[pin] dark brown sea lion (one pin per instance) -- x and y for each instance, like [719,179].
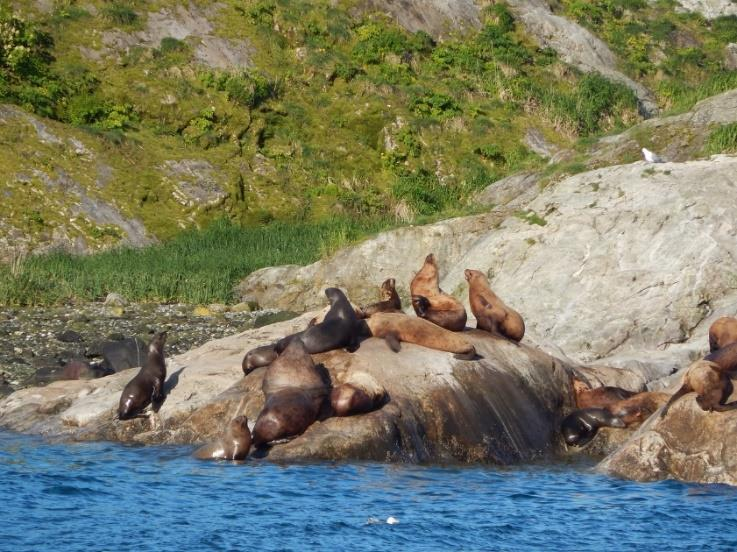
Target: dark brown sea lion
[599,397]
[260,356]
[295,390]
[638,407]
[580,426]
[234,443]
[359,393]
[711,384]
[390,301]
[398,327]
[432,303]
[339,329]
[722,332]
[147,387]
[491,313]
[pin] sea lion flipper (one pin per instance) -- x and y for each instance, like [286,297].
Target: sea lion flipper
[677,395]
[393,341]
[471,355]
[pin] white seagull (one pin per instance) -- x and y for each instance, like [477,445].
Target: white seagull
[652,157]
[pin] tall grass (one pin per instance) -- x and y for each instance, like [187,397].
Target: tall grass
[198,266]
[723,139]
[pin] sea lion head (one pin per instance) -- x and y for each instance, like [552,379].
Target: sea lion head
[579,386]
[334,295]
[157,342]
[430,259]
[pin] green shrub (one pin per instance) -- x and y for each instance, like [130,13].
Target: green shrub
[596,98]
[423,192]
[375,40]
[119,14]
[433,104]
[725,28]
[170,44]
[249,89]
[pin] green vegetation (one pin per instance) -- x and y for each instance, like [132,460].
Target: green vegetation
[679,55]
[336,116]
[723,139]
[195,267]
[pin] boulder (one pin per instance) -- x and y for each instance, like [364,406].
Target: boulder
[688,444]
[502,409]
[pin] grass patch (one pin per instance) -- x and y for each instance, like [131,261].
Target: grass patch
[722,140]
[198,266]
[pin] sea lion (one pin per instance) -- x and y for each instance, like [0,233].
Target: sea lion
[724,358]
[491,313]
[234,443]
[257,357]
[358,394]
[397,327]
[295,390]
[390,301]
[711,384]
[722,333]
[638,407]
[599,397]
[432,303]
[147,387]
[580,426]
[339,329]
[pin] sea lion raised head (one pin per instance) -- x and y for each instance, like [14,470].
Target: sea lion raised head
[722,332]
[711,384]
[492,314]
[148,384]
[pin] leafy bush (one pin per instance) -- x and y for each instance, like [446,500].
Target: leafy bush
[170,44]
[375,40]
[423,192]
[433,104]
[249,89]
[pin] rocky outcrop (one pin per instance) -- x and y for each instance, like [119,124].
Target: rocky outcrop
[438,18]
[623,266]
[503,408]
[710,9]
[577,46]
[688,444]
[675,138]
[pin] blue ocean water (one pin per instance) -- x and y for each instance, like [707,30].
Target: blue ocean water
[105,496]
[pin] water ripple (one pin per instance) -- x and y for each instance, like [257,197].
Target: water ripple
[103,496]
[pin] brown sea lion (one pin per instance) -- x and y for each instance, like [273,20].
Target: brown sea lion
[295,390]
[580,426]
[725,358]
[390,301]
[432,303]
[257,357]
[397,327]
[358,394]
[234,443]
[147,387]
[599,397]
[339,329]
[722,332]
[491,313]
[638,407]
[711,384]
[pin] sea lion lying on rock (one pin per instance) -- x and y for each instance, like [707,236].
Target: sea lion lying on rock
[234,443]
[339,329]
[398,327]
[260,356]
[599,397]
[432,303]
[359,393]
[390,301]
[491,313]
[294,389]
[147,387]
[639,407]
[711,384]
[722,332]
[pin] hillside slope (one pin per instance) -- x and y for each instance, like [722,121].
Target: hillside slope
[134,120]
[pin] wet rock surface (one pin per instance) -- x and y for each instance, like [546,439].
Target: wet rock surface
[41,344]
